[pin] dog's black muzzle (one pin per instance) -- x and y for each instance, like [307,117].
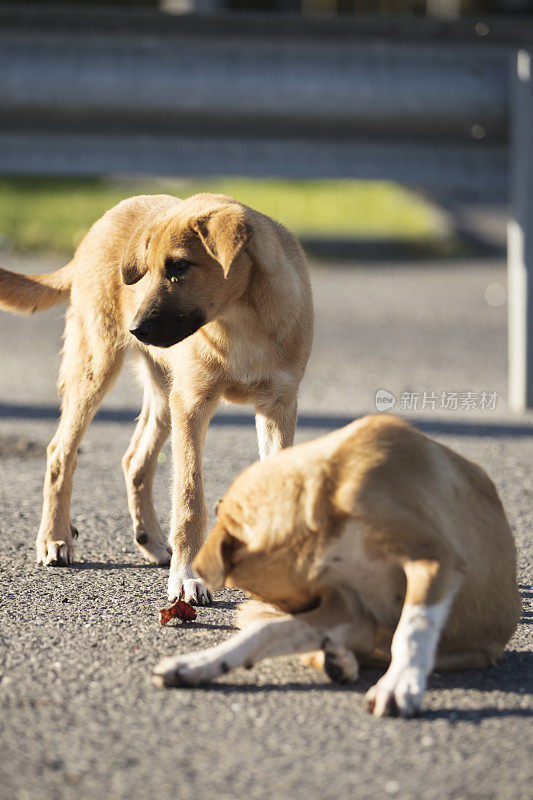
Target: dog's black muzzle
[165,331]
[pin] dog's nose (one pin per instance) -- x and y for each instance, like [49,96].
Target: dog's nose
[142,329]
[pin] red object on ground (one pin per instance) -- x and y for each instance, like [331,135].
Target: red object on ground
[180,609]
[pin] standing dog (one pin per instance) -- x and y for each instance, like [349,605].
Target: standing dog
[373,543]
[215,301]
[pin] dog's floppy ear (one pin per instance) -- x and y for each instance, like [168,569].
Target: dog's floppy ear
[224,233]
[215,559]
[134,264]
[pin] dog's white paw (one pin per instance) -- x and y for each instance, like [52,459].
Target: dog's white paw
[183,585]
[53,553]
[397,693]
[189,670]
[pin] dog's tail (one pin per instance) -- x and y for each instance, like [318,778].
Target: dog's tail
[29,293]
[252,610]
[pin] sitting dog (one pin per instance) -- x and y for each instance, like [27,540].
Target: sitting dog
[214,300]
[373,544]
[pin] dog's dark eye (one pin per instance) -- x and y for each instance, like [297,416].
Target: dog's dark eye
[175,268]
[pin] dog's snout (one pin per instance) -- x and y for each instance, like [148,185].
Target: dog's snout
[163,326]
[142,329]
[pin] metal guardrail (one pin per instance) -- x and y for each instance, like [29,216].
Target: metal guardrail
[424,103]
[205,96]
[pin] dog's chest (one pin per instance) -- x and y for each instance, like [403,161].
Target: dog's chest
[379,583]
[248,362]
[253,370]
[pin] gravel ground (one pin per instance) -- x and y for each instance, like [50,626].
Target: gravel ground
[79,717]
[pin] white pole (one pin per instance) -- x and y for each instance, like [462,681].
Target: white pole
[520,236]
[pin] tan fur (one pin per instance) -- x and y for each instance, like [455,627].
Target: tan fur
[247,281]
[252,610]
[26,294]
[361,523]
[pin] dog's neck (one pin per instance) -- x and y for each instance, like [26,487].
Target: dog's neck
[275,294]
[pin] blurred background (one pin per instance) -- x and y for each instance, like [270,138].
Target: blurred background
[443,8]
[370,127]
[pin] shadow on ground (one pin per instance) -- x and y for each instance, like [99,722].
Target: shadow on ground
[318,421]
[511,675]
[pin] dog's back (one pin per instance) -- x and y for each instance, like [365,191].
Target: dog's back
[401,486]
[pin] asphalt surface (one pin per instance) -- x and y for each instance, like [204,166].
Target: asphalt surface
[79,717]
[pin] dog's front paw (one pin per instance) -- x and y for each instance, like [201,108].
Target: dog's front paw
[183,585]
[181,671]
[397,693]
[54,553]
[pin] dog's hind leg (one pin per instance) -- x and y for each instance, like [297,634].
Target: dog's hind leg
[140,464]
[275,423]
[329,626]
[431,588]
[85,376]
